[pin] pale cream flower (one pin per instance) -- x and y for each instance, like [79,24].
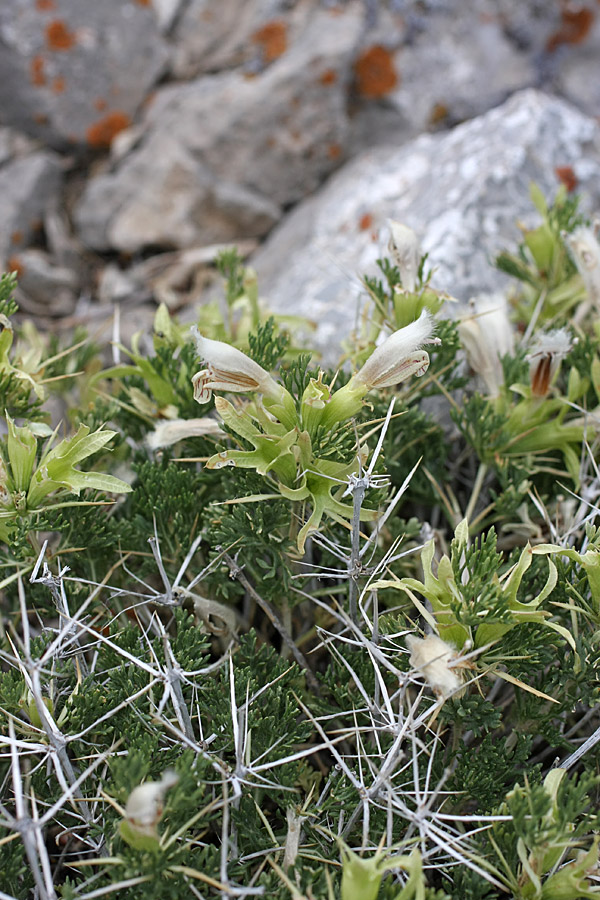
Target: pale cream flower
[399,357]
[405,251]
[431,656]
[544,357]
[228,369]
[145,803]
[585,250]
[169,432]
[487,336]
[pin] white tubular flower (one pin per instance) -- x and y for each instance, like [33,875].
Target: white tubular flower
[170,431]
[399,357]
[432,656]
[585,250]
[145,803]
[406,252]
[228,369]
[544,358]
[487,336]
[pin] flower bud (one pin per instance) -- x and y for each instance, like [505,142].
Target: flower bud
[145,803]
[585,250]
[314,400]
[487,336]
[406,253]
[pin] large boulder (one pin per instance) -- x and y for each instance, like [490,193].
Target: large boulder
[75,72]
[220,157]
[461,191]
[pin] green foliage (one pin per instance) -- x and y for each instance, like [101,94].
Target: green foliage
[296,376]
[231,266]
[265,346]
[271,658]
[8,304]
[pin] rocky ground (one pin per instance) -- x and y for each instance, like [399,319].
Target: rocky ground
[139,135]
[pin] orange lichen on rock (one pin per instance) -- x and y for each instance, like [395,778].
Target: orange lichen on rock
[567,176]
[375,73]
[144,2]
[101,133]
[272,40]
[365,221]
[16,237]
[15,265]
[334,151]
[574,28]
[37,74]
[45,5]
[439,112]
[59,84]
[329,76]
[100,104]
[58,36]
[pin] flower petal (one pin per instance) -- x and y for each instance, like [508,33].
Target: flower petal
[400,356]
[228,369]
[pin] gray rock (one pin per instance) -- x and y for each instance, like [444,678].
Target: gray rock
[578,71]
[462,192]
[29,186]
[45,285]
[13,143]
[211,36]
[166,12]
[441,65]
[222,155]
[76,72]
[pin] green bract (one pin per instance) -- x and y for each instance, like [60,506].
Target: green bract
[453,603]
[29,480]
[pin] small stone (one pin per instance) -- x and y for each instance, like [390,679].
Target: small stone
[45,285]
[29,185]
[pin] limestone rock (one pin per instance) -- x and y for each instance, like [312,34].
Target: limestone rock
[29,186]
[577,69]
[45,286]
[76,72]
[461,192]
[212,36]
[166,12]
[14,143]
[221,155]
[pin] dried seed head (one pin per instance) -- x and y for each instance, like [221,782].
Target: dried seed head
[544,357]
[145,803]
[432,657]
